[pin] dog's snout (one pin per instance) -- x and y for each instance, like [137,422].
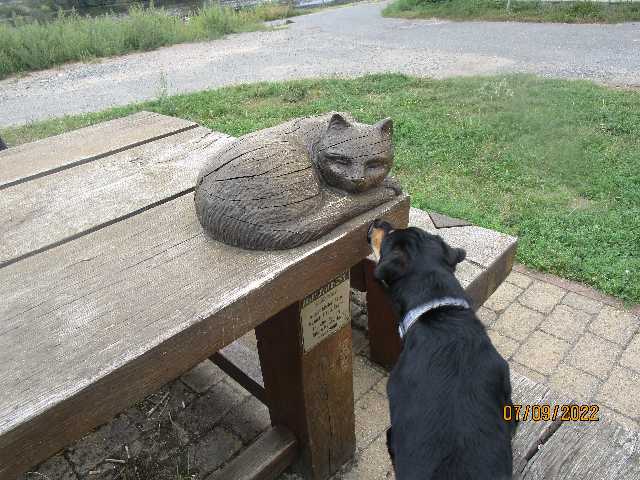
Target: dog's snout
[376,233]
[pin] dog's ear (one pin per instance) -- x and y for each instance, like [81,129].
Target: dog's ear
[453,256]
[391,267]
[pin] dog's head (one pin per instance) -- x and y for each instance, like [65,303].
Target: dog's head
[399,253]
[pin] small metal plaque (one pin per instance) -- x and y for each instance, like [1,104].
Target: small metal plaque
[324,311]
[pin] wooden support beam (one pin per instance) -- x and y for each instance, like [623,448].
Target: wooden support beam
[264,459]
[243,365]
[384,339]
[357,277]
[311,393]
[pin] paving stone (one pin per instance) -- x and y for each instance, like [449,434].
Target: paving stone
[527,372]
[579,385]
[203,376]
[157,407]
[566,322]
[504,345]
[519,279]
[204,412]
[359,298]
[372,463]
[518,321]
[360,342]
[583,303]
[542,352]
[105,471]
[381,386]
[57,467]
[542,296]
[486,316]
[179,466]
[372,418]
[631,355]
[615,325]
[213,449]
[365,376]
[108,441]
[605,412]
[161,440]
[248,419]
[504,295]
[594,355]
[249,340]
[361,322]
[621,391]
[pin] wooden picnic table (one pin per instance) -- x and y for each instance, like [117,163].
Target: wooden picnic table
[111,289]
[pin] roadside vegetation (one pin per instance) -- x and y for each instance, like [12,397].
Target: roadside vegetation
[38,45]
[517,11]
[555,162]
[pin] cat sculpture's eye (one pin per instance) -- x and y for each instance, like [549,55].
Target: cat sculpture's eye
[339,159]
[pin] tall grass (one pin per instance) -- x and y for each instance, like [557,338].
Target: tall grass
[520,10]
[36,46]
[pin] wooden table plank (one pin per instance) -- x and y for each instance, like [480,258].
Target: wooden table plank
[88,322]
[45,212]
[52,154]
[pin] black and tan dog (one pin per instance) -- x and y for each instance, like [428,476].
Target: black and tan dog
[449,388]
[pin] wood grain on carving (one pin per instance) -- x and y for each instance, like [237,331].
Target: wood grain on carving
[287,185]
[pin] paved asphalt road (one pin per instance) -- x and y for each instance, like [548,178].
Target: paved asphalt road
[345,41]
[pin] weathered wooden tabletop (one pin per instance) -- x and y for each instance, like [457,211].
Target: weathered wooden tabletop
[110,287]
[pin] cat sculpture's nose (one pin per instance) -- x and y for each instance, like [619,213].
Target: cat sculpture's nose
[360,183]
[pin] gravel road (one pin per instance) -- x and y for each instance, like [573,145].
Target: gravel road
[346,41]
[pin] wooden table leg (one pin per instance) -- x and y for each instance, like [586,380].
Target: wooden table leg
[310,393]
[384,339]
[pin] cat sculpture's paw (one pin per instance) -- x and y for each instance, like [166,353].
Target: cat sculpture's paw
[393,184]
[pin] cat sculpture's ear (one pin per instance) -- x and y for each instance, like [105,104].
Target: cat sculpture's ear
[337,122]
[385,126]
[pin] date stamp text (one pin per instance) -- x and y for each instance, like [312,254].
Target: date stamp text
[545,412]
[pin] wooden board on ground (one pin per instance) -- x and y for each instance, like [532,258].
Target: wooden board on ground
[587,451]
[531,434]
[31,160]
[264,459]
[45,212]
[151,288]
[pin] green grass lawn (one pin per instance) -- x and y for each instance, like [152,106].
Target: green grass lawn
[554,162]
[36,46]
[521,11]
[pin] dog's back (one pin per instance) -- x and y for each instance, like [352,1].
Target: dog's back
[446,393]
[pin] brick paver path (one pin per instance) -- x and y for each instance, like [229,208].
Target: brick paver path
[557,332]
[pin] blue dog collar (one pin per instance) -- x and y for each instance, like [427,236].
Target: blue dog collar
[415,313]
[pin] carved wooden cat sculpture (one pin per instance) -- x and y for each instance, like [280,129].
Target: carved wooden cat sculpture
[284,186]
